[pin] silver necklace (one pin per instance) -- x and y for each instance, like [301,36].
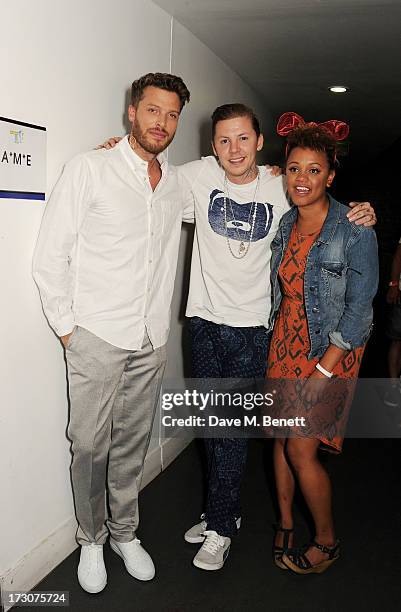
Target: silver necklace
[243,245]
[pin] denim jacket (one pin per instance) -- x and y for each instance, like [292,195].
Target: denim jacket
[340,281]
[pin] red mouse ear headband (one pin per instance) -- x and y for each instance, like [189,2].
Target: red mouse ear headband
[290,121]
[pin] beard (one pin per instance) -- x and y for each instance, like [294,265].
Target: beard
[146,144]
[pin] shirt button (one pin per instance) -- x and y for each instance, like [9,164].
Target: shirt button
[315,309]
[317,332]
[312,288]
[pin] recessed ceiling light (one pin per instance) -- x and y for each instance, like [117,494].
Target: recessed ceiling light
[338,89]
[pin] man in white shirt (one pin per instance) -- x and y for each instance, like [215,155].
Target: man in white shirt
[105,265]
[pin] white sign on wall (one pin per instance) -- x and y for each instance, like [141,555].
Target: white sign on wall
[22,160]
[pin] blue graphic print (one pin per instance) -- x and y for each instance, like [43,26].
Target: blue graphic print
[239,218]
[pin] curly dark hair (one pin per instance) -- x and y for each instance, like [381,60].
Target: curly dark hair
[162,80]
[313,137]
[232,111]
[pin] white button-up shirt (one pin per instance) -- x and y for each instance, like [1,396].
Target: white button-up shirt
[107,251]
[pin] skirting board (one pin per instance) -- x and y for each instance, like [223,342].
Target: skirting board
[40,561]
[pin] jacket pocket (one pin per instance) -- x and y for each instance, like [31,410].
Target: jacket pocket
[333,268]
[334,280]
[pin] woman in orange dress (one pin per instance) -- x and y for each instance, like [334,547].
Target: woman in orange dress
[324,278]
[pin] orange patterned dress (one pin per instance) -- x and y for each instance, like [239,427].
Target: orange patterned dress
[290,347]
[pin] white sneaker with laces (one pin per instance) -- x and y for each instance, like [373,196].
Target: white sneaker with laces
[92,574]
[213,552]
[137,561]
[195,535]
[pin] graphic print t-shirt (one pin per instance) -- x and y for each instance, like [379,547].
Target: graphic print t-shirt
[223,289]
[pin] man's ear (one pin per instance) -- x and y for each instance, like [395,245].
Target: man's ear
[259,145]
[131,113]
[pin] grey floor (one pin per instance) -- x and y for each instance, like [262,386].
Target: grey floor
[367,507]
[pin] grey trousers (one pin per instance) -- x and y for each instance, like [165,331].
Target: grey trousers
[113,395]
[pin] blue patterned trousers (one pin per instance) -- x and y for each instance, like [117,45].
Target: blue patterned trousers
[221,351]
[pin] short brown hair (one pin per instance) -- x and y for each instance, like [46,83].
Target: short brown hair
[162,80]
[313,137]
[232,111]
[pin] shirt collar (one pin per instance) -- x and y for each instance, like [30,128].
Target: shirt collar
[138,162]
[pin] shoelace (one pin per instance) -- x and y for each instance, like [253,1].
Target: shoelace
[213,542]
[95,553]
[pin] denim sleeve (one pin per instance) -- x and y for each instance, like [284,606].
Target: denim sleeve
[362,282]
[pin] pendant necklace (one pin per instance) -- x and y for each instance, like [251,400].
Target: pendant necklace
[244,244]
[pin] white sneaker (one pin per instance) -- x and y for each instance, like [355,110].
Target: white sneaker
[92,574]
[137,561]
[195,535]
[213,552]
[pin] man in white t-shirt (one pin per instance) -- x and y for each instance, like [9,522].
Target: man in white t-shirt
[238,206]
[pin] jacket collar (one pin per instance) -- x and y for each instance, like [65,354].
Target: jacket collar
[329,225]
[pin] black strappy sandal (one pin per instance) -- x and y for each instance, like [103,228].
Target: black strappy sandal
[278,551]
[296,560]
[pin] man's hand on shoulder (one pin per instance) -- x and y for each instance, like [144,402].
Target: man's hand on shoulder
[362,213]
[110,143]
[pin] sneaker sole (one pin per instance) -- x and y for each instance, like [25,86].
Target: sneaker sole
[209,566]
[131,572]
[92,590]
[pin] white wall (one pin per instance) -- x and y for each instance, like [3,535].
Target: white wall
[68,66]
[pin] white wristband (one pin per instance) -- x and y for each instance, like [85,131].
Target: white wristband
[323,370]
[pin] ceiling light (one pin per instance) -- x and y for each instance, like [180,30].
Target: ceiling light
[338,89]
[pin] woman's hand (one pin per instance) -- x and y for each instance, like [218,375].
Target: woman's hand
[314,387]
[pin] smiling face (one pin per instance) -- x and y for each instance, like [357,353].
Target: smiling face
[236,144]
[154,120]
[308,176]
